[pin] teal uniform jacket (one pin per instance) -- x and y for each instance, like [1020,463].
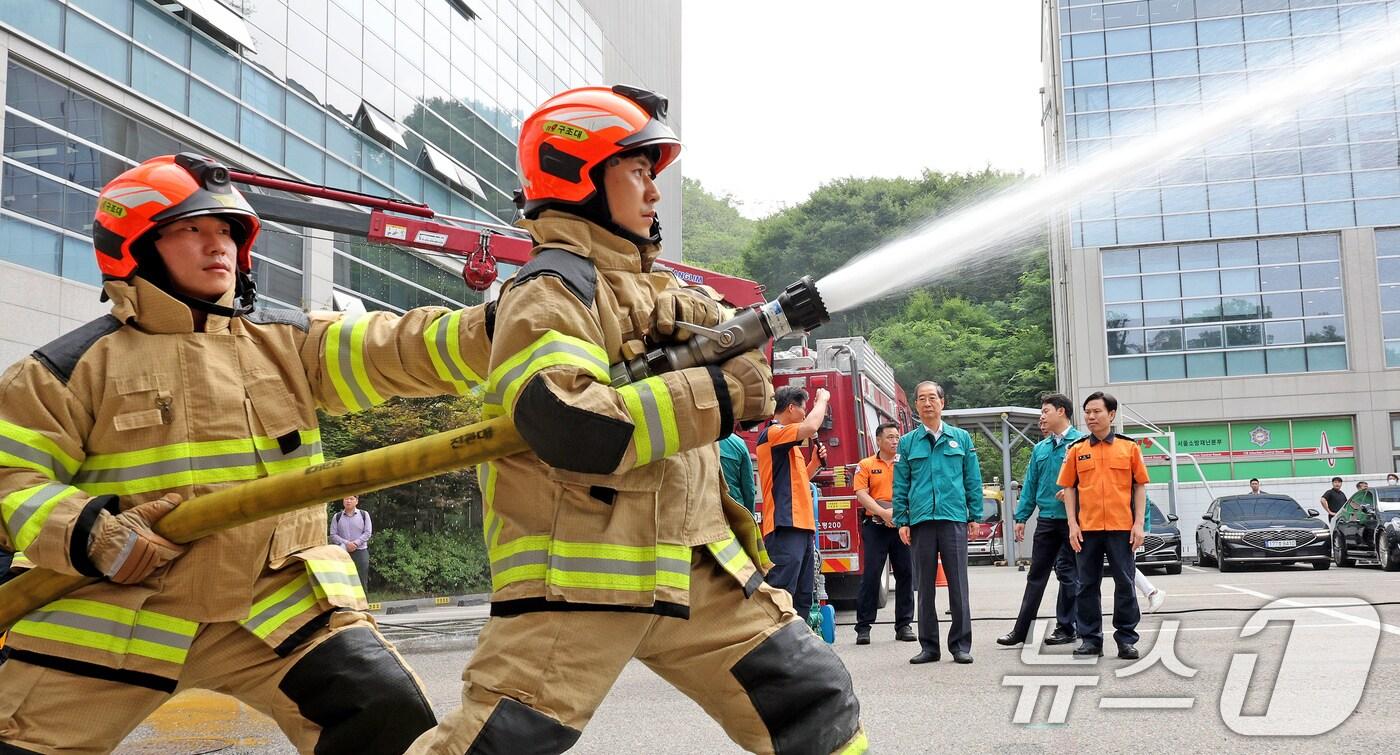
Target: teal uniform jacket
[734,459]
[1038,488]
[936,480]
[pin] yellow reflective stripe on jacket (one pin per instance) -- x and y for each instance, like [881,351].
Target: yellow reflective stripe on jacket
[25,511]
[113,629]
[21,561]
[335,578]
[194,463]
[345,362]
[443,339]
[549,350]
[27,449]
[491,524]
[602,566]
[654,417]
[280,606]
[858,745]
[730,554]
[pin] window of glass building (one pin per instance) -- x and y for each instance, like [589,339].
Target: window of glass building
[61,147]
[1230,308]
[1388,274]
[1132,68]
[1239,450]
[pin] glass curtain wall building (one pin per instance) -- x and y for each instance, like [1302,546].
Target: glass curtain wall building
[416,99]
[1237,281]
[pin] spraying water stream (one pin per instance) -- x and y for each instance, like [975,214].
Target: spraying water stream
[950,243]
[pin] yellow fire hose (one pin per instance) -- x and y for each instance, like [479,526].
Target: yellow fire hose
[277,494]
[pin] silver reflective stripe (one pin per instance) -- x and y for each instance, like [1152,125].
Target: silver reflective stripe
[32,504]
[493,529]
[304,450]
[553,347]
[347,370]
[324,577]
[192,464]
[523,558]
[729,551]
[170,466]
[443,324]
[611,566]
[655,432]
[296,597]
[29,453]
[112,628]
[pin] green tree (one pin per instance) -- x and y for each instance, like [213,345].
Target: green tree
[715,233]
[983,331]
[428,537]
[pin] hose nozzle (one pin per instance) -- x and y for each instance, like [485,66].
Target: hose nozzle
[798,307]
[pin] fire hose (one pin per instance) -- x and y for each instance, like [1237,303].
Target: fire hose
[798,307]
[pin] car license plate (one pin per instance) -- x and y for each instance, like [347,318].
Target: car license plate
[1280,543]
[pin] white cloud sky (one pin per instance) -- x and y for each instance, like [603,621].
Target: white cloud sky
[783,96]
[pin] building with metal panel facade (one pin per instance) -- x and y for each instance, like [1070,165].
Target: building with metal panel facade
[419,99]
[1248,293]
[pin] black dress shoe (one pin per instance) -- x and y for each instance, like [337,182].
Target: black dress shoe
[925,656]
[905,634]
[862,636]
[1128,652]
[1061,637]
[1086,649]
[1009,639]
[961,657]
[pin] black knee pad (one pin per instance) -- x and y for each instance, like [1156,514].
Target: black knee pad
[515,728]
[801,690]
[361,696]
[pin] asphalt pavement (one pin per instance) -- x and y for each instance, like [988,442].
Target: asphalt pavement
[1316,672]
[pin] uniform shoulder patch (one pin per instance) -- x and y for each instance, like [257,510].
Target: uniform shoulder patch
[577,273]
[293,317]
[61,355]
[1079,440]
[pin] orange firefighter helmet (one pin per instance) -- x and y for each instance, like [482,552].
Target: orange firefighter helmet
[158,191]
[576,131]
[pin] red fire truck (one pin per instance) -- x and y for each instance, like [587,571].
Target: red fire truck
[864,395]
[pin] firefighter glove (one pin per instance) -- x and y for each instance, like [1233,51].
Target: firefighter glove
[677,306]
[750,384]
[125,548]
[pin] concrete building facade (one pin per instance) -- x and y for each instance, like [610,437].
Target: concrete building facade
[1246,295]
[418,99]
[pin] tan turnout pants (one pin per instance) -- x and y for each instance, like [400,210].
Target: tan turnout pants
[50,711]
[562,664]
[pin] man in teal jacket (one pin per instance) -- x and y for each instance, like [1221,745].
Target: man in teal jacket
[737,465]
[1050,548]
[937,491]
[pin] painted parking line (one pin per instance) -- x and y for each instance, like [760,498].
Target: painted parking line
[1325,611]
[1195,569]
[1175,594]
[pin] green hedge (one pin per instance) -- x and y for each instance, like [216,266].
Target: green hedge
[427,563]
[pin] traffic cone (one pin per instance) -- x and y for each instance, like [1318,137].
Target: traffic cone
[942,580]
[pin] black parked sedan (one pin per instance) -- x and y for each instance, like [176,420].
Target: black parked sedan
[1262,528]
[1162,546]
[1368,526]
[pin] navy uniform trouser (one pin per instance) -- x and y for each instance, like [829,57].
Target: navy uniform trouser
[946,540]
[878,542]
[1050,551]
[794,565]
[1122,566]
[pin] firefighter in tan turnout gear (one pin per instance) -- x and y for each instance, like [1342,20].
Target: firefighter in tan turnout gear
[181,390]
[612,538]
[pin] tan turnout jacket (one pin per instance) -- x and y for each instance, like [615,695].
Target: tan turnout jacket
[136,404]
[622,481]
